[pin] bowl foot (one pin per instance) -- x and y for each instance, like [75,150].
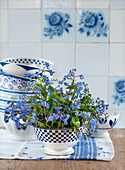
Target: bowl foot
[68,151]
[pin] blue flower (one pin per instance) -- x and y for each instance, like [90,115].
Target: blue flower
[91,20]
[93,24]
[55,19]
[120,86]
[57,24]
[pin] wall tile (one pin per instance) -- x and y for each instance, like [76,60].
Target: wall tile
[25,49]
[3,50]
[98,86]
[92,26]
[117,59]
[92,3]
[90,60]
[117,4]
[19,4]
[24,26]
[121,120]
[58,25]
[3,26]
[3,4]
[117,92]
[58,3]
[117,26]
[62,55]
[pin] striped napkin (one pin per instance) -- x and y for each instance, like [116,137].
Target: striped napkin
[91,149]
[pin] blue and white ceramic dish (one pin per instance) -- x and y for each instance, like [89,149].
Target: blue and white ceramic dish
[15,134]
[27,61]
[57,141]
[11,82]
[106,124]
[18,69]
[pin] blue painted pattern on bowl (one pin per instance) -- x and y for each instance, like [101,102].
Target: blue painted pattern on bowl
[12,82]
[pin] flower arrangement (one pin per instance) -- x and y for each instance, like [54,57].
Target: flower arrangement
[66,103]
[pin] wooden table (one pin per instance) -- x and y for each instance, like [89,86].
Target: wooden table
[118,163]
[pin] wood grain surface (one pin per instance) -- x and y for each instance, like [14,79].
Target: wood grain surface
[118,162]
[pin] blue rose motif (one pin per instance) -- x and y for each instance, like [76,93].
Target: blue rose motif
[91,20]
[119,89]
[93,24]
[57,24]
[120,86]
[55,19]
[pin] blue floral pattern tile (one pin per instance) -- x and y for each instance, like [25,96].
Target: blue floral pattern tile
[117,92]
[58,25]
[92,26]
[119,96]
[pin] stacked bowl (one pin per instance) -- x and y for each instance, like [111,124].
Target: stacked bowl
[12,85]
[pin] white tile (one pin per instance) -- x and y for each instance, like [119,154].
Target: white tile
[3,26]
[117,92]
[92,59]
[62,55]
[117,4]
[25,49]
[3,4]
[117,59]
[92,25]
[98,87]
[3,50]
[92,3]
[58,3]
[121,121]
[19,4]
[24,26]
[63,30]
[117,26]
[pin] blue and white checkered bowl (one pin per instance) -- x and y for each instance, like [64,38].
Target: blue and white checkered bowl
[106,124]
[57,141]
[11,82]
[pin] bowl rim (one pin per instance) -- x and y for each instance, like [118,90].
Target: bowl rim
[32,58]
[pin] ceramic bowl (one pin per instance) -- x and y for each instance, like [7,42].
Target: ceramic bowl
[57,142]
[106,124]
[15,134]
[18,69]
[11,82]
[13,94]
[27,61]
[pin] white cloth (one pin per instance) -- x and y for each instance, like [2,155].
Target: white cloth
[92,148]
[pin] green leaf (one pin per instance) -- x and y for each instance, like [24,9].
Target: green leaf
[85,108]
[38,85]
[85,100]
[77,124]
[72,87]
[51,88]
[36,108]
[52,106]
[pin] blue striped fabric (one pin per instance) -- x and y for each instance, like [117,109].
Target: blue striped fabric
[85,149]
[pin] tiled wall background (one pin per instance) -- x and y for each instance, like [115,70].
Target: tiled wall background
[99,57]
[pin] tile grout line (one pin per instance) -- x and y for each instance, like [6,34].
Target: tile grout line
[8,53]
[109,53]
[75,38]
[41,30]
